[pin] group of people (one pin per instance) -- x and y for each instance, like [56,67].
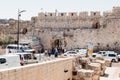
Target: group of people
[54,51]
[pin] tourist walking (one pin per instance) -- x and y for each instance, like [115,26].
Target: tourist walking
[56,52]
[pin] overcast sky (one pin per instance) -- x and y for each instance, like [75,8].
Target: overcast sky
[9,8]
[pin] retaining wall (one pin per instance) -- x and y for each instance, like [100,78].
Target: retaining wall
[59,69]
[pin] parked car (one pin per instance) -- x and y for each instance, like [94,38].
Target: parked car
[112,56]
[107,55]
[70,53]
[118,57]
[100,53]
[81,51]
[14,48]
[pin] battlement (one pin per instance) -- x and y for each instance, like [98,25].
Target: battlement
[96,13]
[115,11]
[83,14]
[69,14]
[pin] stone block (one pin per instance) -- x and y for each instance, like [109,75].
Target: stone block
[107,62]
[96,77]
[96,67]
[85,74]
[76,77]
[99,58]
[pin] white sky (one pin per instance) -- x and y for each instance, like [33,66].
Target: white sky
[9,8]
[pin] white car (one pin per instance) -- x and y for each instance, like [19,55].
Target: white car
[81,51]
[100,53]
[70,53]
[111,56]
[119,57]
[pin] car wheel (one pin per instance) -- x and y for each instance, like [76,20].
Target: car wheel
[113,60]
[118,59]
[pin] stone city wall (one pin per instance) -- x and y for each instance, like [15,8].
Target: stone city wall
[76,30]
[79,29]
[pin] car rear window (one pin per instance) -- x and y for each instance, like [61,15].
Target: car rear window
[72,52]
[13,47]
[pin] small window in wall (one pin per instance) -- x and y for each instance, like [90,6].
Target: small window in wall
[94,14]
[96,24]
[72,14]
[98,43]
[107,45]
[42,31]
[62,14]
[68,29]
[116,43]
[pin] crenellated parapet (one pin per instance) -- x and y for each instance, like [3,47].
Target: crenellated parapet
[83,14]
[116,10]
[95,14]
[75,19]
[42,15]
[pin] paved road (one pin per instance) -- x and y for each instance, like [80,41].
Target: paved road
[116,64]
[112,73]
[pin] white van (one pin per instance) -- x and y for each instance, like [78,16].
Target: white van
[9,60]
[14,48]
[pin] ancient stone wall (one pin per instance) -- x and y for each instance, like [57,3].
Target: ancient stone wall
[76,30]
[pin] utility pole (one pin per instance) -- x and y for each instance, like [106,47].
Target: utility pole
[33,26]
[19,14]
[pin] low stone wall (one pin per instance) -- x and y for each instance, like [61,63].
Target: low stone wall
[58,69]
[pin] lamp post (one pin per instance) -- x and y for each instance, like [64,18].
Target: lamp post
[19,14]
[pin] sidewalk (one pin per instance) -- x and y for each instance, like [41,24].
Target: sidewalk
[111,73]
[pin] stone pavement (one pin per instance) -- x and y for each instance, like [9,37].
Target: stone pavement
[111,73]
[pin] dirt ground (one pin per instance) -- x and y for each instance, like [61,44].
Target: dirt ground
[112,73]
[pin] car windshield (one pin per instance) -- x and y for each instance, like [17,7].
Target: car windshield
[103,52]
[111,55]
[26,48]
[72,53]
[99,52]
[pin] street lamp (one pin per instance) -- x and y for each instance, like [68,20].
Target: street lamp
[19,14]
